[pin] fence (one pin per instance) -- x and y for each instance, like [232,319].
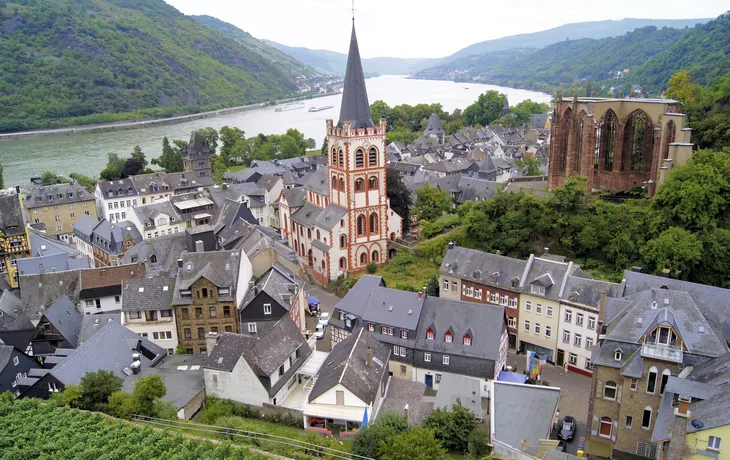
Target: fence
[230,433]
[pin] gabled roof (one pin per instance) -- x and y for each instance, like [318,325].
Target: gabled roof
[523,413]
[585,291]
[39,292]
[147,214]
[11,218]
[381,305]
[484,268]
[91,324]
[41,245]
[38,195]
[549,274]
[50,263]
[233,223]
[306,215]
[10,306]
[116,185]
[85,226]
[347,365]
[196,149]
[268,181]
[330,216]
[219,267]
[148,294]
[64,316]
[434,125]
[279,284]
[355,107]
[294,197]
[319,181]
[104,281]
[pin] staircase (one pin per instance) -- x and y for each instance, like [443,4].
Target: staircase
[307,391]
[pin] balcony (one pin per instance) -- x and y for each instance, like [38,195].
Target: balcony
[662,352]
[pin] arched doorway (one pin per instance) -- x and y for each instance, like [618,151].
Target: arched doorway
[364,258]
[375,257]
[391,253]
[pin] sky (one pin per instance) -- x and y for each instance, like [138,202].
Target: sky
[424,28]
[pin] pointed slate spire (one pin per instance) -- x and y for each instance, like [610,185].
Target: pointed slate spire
[355,106]
[196,146]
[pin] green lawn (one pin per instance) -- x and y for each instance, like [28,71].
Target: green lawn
[236,168]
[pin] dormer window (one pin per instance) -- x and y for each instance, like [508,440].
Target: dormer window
[448,337]
[537,289]
[617,355]
[430,335]
[467,339]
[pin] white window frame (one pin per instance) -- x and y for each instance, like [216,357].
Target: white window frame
[527,325]
[267,309]
[566,336]
[577,340]
[568,316]
[579,319]
[446,284]
[615,390]
[538,309]
[427,357]
[511,321]
[404,334]
[445,360]
[528,306]
[549,311]
[714,443]
[572,358]
[591,323]
[589,343]
[548,331]
[251,328]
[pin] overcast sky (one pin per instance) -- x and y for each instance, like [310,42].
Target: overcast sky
[424,28]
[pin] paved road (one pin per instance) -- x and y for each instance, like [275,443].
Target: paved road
[327,303]
[574,394]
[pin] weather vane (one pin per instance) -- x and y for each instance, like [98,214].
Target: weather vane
[353,10]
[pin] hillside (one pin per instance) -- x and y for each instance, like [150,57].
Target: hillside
[561,63]
[574,31]
[66,62]
[282,60]
[334,63]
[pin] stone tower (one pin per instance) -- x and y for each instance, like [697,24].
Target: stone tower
[357,169]
[197,157]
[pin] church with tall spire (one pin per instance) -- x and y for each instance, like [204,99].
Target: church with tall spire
[344,220]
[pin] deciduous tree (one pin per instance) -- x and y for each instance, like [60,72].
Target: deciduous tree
[96,387]
[453,427]
[416,443]
[431,203]
[399,196]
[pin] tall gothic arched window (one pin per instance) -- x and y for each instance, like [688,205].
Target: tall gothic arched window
[359,158]
[373,223]
[359,185]
[360,224]
[373,157]
[372,183]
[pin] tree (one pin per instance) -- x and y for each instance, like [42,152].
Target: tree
[50,178]
[147,391]
[367,443]
[96,387]
[171,159]
[478,444]
[138,154]
[209,138]
[486,109]
[71,396]
[681,88]
[432,288]
[121,405]
[529,166]
[675,249]
[114,168]
[532,107]
[310,143]
[431,203]
[132,167]
[371,268]
[324,146]
[229,137]
[85,181]
[571,197]
[452,427]
[2,179]
[399,196]
[416,443]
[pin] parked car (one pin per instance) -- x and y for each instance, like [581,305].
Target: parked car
[567,429]
[319,331]
[324,318]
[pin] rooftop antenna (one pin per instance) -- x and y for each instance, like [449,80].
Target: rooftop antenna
[353,10]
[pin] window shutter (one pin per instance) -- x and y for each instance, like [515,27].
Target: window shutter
[594,426]
[618,393]
[614,430]
[599,388]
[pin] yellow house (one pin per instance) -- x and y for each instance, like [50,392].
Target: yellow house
[14,241]
[700,443]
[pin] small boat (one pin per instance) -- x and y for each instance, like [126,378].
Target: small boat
[319,109]
[291,106]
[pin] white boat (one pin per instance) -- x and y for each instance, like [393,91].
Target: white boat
[319,109]
[291,106]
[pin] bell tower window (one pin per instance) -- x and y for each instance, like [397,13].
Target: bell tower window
[372,157]
[359,158]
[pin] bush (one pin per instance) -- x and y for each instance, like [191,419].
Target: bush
[372,267]
[478,444]
[121,405]
[368,442]
[452,427]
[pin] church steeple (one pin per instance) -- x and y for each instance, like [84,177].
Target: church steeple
[355,106]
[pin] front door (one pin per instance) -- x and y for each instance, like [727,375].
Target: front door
[561,358]
[429,381]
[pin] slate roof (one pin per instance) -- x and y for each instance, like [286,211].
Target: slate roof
[484,323]
[10,306]
[523,412]
[115,186]
[110,349]
[165,249]
[220,268]
[91,324]
[256,241]
[233,223]
[675,308]
[268,181]
[603,353]
[355,107]
[147,214]
[330,216]
[449,166]
[41,245]
[694,389]
[85,226]
[39,292]
[106,281]
[196,150]
[264,353]
[347,365]
[50,263]
[484,268]
[59,193]
[585,291]
[319,182]
[279,284]
[181,385]
[114,234]
[537,274]
[148,294]
[11,218]
[474,189]
[434,125]
[294,197]
[459,389]
[306,215]
[382,305]
[321,246]
[6,352]
[66,319]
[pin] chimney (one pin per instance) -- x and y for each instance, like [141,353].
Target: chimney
[601,313]
[679,429]
[370,357]
[420,294]
[135,357]
[682,410]
[498,252]
[199,246]
[666,272]
[136,367]
[451,245]
[547,250]
[211,340]
[179,263]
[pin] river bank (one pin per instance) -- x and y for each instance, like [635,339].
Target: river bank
[123,125]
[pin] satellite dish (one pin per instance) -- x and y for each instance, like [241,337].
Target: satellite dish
[698,424]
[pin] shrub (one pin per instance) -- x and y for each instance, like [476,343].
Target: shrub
[452,427]
[478,444]
[372,267]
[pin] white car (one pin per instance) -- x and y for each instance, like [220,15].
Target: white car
[319,331]
[324,318]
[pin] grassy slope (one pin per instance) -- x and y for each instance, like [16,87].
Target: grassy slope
[68,61]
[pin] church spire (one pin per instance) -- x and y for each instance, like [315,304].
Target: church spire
[355,107]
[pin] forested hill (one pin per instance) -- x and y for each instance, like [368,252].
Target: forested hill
[66,62]
[281,59]
[560,63]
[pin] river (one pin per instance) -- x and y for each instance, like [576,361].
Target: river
[87,153]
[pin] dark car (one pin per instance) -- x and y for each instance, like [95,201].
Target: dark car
[567,429]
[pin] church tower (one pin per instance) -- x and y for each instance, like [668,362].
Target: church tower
[357,170]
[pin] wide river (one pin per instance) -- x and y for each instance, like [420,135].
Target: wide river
[87,153]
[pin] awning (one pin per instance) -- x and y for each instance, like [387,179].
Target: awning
[311,300]
[512,377]
[350,414]
[315,361]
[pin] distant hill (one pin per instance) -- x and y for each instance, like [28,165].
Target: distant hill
[334,63]
[282,60]
[592,29]
[66,62]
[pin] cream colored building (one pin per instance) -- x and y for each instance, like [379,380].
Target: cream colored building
[58,207]
[147,310]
